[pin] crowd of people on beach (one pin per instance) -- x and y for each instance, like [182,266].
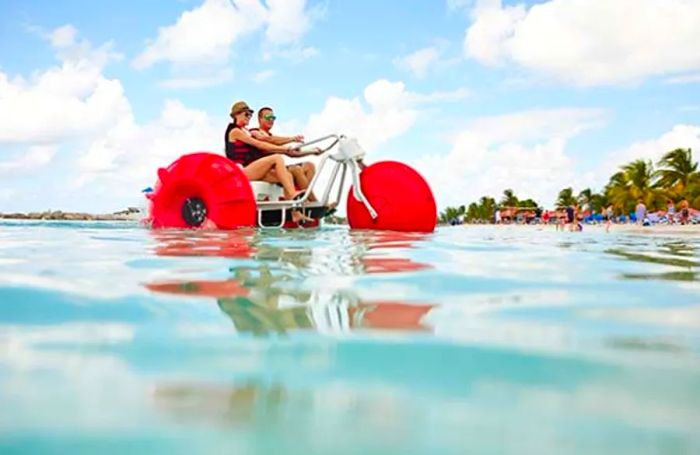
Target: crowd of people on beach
[574,217]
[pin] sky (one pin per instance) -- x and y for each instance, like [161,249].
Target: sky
[477,95]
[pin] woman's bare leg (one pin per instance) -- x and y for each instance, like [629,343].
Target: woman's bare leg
[299,174]
[261,168]
[258,169]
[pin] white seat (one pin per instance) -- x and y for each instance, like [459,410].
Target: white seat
[266,191]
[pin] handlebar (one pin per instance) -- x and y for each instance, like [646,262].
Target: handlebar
[303,153]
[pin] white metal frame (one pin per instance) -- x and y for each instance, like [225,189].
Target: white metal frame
[348,156]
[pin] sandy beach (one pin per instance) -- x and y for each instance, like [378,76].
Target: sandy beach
[661,229]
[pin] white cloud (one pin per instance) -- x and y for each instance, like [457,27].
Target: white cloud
[684,79]
[205,35]
[491,28]
[454,5]
[7,193]
[538,124]
[142,149]
[680,136]
[387,111]
[36,156]
[296,54]
[440,97]
[419,62]
[287,21]
[262,76]
[74,107]
[216,77]
[64,101]
[588,42]
[64,36]
[525,151]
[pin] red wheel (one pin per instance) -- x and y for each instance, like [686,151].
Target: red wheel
[400,196]
[202,186]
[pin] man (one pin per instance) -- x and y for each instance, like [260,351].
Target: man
[685,211]
[571,217]
[640,211]
[303,173]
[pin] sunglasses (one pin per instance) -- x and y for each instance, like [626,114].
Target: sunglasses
[269,117]
[248,114]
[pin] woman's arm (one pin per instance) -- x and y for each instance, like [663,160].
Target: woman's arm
[238,134]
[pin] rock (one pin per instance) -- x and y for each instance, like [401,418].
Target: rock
[130,214]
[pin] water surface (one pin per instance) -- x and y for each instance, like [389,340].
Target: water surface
[114,338]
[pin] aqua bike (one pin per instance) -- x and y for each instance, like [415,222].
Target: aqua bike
[201,189]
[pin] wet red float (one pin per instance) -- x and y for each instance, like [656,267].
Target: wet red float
[200,187]
[400,196]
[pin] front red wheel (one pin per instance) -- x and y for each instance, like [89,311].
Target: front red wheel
[400,196]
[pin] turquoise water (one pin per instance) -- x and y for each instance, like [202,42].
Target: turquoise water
[116,339]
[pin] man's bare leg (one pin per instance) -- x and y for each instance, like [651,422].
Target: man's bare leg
[303,174]
[297,214]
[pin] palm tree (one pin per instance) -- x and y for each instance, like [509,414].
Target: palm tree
[616,191]
[594,201]
[529,203]
[598,202]
[641,183]
[451,213]
[487,206]
[566,198]
[635,181]
[678,172]
[585,197]
[509,199]
[473,212]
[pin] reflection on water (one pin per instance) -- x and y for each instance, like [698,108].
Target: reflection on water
[666,260]
[669,276]
[504,340]
[264,299]
[231,244]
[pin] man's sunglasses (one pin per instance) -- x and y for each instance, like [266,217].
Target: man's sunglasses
[269,117]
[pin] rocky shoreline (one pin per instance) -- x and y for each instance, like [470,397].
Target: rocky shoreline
[129,214]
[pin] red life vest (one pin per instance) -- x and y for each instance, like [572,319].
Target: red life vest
[239,151]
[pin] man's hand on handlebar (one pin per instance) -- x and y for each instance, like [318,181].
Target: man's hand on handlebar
[296,152]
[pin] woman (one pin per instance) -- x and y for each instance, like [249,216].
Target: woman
[247,151]
[670,211]
[609,217]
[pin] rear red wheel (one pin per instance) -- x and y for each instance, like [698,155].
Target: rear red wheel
[199,187]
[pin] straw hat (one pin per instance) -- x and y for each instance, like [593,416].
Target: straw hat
[238,107]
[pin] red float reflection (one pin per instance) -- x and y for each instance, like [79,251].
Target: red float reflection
[257,310]
[390,315]
[232,244]
[204,288]
[388,265]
